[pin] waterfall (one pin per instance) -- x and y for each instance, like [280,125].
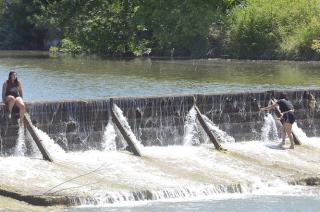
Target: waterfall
[109,138]
[219,134]
[104,198]
[156,121]
[25,144]
[191,131]
[20,148]
[32,147]
[269,129]
[93,172]
[51,146]
[299,132]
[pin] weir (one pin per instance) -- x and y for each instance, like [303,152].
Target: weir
[86,172]
[156,121]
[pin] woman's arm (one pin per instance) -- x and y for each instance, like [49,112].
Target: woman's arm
[4,88]
[272,106]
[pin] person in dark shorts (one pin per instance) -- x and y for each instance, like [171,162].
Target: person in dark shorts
[287,117]
[12,95]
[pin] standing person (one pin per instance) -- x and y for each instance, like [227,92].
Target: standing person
[287,117]
[12,95]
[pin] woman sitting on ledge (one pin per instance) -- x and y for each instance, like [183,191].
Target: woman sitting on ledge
[12,95]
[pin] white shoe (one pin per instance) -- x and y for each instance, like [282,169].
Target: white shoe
[9,115]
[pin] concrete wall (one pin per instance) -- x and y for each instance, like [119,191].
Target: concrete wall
[79,125]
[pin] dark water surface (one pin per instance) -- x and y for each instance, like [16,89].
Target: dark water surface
[53,78]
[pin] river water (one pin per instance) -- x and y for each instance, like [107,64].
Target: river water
[251,176]
[52,78]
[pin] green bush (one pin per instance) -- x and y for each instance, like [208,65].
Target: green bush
[316,46]
[54,49]
[252,31]
[68,46]
[178,28]
[270,29]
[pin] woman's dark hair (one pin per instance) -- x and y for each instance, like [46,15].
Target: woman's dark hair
[16,82]
[283,96]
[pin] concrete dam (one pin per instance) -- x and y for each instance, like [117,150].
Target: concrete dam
[79,125]
[84,171]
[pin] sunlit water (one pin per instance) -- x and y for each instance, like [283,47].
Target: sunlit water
[250,176]
[49,78]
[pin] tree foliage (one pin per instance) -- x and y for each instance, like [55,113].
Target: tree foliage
[17,30]
[178,26]
[272,29]
[256,29]
[95,27]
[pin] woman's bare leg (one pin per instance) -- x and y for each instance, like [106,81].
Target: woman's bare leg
[283,135]
[288,129]
[10,101]
[21,106]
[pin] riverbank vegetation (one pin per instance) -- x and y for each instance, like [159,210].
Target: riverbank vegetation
[245,29]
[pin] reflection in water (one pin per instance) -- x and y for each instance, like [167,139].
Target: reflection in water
[47,78]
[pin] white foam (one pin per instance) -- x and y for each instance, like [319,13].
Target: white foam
[269,131]
[50,145]
[220,134]
[20,148]
[176,172]
[109,138]
[191,131]
[299,132]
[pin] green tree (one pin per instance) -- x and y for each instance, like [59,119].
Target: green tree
[270,29]
[178,27]
[17,29]
[99,27]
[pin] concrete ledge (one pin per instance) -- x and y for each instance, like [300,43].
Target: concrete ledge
[78,125]
[142,195]
[40,200]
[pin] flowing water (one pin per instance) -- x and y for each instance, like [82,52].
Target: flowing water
[196,174]
[253,175]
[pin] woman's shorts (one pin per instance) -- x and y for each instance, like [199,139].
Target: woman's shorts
[289,118]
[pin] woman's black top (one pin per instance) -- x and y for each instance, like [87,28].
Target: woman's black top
[284,105]
[12,90]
